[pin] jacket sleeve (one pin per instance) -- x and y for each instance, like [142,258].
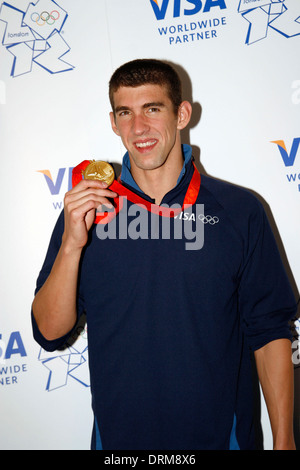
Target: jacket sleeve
[53,248]
[266,299]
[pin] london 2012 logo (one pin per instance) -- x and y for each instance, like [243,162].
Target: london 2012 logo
[69,364]
[33,36]
[281,16]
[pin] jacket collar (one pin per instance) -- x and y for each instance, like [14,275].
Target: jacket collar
[127,178]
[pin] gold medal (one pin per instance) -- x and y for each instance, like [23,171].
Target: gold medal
[99,170]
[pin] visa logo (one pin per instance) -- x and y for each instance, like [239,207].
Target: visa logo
[55,185]
[14,346]
[160,7]
[288,157]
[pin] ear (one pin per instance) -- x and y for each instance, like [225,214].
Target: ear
[113,123]
[184,114]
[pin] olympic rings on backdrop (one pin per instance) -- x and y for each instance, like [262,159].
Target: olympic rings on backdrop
[208,219]
[45,17]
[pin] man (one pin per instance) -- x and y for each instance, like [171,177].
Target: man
[170,326]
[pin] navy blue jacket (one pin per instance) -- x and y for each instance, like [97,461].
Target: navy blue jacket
[170,329]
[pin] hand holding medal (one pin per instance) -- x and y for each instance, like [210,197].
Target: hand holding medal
[104,172]
[93,188]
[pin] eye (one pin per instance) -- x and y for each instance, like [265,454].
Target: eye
[153,110]
[123,113]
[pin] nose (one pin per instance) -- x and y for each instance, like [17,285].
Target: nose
[140,124]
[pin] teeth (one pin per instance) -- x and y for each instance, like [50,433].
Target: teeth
[145,144]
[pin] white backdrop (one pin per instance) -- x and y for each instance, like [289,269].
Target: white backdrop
[240,64]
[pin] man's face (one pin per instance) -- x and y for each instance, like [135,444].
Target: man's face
[144,118]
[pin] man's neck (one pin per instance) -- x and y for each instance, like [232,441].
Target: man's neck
[158,182]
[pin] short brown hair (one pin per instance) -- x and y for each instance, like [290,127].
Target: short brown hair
[147,71]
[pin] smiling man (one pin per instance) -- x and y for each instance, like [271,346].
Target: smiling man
[171,331]
[149,124]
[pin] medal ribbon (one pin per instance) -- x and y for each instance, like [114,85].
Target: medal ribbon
[116,186]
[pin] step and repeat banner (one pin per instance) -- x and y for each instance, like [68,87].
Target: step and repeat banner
[239,61]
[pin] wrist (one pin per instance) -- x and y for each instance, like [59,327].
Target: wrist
[70,249]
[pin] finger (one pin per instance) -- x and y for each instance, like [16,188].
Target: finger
[84,184]
[79,212]
[95,201]
[91,193]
